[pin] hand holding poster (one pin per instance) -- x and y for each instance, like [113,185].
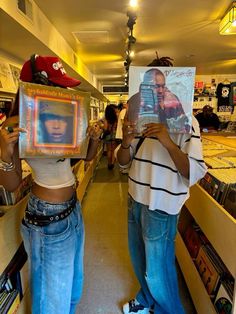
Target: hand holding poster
[161,95]
[56,122]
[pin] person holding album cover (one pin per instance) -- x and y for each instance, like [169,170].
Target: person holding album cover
[162,167]
[52,227]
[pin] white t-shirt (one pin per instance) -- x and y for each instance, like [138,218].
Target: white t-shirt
[52,173]
[119,133]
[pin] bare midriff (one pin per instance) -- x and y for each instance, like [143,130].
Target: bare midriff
[53,195]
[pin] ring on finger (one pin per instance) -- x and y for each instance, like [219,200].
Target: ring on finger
[9,129]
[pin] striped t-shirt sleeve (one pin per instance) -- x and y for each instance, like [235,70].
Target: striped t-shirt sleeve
[192,146]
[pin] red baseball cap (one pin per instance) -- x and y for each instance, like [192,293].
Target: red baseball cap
[51,68]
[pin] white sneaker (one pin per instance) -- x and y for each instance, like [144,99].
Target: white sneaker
[124,170]
[134,307]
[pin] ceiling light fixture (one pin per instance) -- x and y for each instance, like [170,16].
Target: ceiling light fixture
[228,22]
[133,3]
[131,40]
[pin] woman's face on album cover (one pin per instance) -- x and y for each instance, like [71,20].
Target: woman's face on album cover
[56,128]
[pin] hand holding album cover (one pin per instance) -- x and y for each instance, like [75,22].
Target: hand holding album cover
[56,122]
[161,95]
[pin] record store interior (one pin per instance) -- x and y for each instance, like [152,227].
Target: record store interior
[117,157]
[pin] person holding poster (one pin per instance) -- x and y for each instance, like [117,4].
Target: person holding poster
[52,228]
[163,166]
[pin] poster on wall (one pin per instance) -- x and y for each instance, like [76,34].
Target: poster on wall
[7,83]
[55,120]
[161,95]
[223,92]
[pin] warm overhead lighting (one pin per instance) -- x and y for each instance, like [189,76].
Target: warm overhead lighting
[228,22]
[133,3]
[131,54]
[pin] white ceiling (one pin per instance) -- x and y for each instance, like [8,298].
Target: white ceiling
[185,30]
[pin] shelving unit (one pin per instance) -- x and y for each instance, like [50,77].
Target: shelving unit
[10,237]
[194,282]
[88,173]
[220,229]
[10,240]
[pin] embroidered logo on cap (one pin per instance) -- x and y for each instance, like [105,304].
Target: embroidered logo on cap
[58,66]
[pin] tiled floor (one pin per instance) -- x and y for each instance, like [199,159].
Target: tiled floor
[109,278]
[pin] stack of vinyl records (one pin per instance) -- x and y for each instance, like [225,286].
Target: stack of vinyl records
[212,270]
[211,148]
[217,163]
[221,185]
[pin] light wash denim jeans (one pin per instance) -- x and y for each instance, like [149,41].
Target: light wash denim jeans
[55,255]
[151,236]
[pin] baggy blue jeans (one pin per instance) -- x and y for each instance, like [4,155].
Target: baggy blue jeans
[151,236]
[55,255]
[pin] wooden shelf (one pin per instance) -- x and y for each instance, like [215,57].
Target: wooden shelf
[200,297]
[216,223]
[88,174]
[220,229]
[81,189]
[10,237]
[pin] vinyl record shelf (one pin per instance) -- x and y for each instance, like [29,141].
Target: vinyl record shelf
[220,229]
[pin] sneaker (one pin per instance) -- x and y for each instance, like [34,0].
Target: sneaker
[124,171]
[134,307]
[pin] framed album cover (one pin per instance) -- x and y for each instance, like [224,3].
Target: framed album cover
[55,120]
[161,95]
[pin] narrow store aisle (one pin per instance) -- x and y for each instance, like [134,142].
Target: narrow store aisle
[109,278]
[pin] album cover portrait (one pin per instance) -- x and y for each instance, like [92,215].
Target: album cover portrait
[161,95]
[56,121]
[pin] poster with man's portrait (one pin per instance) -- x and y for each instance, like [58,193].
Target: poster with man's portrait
[161,95]
[56,122]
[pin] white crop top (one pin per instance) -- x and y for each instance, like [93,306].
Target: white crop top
[51,173]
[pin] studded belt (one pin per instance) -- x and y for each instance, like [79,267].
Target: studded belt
[41,220]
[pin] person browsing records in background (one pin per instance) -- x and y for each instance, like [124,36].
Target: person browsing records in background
[52,228]
[120,122]
[207,119]
[109,135]
[163,166]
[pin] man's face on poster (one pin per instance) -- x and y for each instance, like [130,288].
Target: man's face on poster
[56,128]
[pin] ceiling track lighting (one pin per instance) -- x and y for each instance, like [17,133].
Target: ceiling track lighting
[131,40]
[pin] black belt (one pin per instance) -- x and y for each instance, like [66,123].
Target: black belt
[41,220]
